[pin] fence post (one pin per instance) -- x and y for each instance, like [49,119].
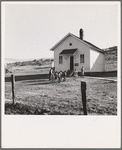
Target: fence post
[13,85]
[83,94]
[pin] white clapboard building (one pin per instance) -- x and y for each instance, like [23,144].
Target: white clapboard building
[72,52]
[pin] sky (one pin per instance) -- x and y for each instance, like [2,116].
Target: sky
[31,29]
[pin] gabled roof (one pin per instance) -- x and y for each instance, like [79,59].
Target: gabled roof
[92,45]
[83,41]
[68,51]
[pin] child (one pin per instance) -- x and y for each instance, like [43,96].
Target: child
[56,75]
[82,72]
[75,74]
[64,74]
[50,73]
[60,76]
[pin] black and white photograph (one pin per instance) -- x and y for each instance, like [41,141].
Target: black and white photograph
[61,66]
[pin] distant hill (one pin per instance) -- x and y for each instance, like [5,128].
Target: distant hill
[34,62]
[10,60]
[110,58]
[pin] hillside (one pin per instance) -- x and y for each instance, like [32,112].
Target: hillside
[110,58]
[38,62]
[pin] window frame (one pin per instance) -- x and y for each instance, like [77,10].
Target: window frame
[82,58]
[70,44]
[60,59]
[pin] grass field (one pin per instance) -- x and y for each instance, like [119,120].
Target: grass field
[35,95]
[39,96]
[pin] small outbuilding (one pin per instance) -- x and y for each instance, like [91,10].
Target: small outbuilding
[72,52]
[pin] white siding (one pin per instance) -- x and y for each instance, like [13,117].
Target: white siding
[96,61]
[82,49]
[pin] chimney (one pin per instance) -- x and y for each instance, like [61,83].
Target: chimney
[81,34]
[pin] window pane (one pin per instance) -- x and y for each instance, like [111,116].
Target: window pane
[60,59]
[82,58]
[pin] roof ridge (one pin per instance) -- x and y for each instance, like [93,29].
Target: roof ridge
[85,42]
[91,44]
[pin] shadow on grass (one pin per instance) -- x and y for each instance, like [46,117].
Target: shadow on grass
[41,83]
[38,82]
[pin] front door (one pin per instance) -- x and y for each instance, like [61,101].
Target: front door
[71,63]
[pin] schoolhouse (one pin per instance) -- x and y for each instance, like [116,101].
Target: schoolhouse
[73,52]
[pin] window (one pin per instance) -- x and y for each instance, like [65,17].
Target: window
[70,44]
[76,64]
[82,58]
[60,59]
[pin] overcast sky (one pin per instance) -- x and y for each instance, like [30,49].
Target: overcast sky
[33,28]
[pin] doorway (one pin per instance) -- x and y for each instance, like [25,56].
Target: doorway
[71,63]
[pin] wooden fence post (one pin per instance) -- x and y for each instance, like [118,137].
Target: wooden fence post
[13,87]
[83,94]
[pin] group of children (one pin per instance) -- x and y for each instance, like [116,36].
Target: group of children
[54,75]
[61,75]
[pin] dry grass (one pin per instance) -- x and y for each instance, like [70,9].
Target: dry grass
[41,97]
[24,70]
